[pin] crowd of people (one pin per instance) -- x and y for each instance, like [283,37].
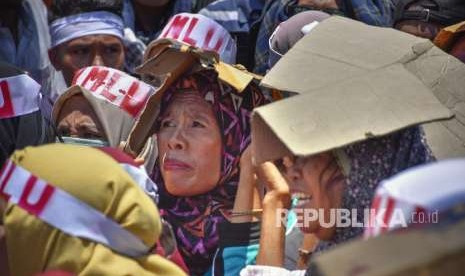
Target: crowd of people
[231,137]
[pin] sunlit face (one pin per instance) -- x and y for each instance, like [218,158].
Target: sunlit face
[458,50]
[98,50]
[318,182]
[78,119]
[189,146]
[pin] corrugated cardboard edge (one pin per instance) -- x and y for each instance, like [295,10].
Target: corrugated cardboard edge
[270,142]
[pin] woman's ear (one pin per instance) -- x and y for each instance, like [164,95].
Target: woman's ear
[54,58]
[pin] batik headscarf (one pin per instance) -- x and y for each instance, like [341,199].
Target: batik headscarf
[99,185]
[195,219]
[372,161]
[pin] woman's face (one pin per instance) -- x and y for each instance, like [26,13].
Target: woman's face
[78,119]
[189,146]
[318,183]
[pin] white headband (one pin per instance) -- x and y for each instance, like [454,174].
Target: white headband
[44,201]
[91,23]
[19,95]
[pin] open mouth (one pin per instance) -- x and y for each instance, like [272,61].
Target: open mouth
[301,199]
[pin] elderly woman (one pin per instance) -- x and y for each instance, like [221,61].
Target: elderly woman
[101,108]
[202,130]
[87,241]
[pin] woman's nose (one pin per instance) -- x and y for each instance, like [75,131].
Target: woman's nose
[177,140]
[293,174]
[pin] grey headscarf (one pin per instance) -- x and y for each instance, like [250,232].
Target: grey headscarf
[372,161]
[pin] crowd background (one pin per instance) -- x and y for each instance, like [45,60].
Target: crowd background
[143,137]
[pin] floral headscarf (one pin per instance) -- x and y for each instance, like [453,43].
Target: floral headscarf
[372,161]
[195,219]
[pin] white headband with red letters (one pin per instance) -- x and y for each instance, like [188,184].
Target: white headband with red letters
[413,195]
[116,87]
[19,95]
[47,202]
[201,32]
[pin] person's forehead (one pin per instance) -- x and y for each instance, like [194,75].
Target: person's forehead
[93,39]
[192,100]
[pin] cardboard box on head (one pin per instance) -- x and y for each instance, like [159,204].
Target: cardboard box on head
[166,61]
[358,82]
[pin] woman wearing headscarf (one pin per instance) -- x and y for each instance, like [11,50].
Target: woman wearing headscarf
[105,232]
[101,108]
[21,121]
[202,129]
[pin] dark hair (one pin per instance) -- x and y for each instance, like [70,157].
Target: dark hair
[443,12]
[63,8]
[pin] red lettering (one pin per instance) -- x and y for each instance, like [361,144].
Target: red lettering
[218,45]
[189,40]
[176,27]
[6,107]
[7,174]
[77,75]
[97,76]
[208,39]
[131,106]
[106,91]
[37,207]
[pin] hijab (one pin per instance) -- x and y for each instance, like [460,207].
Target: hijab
[370,162]
[116,118]
[35,246]
[26,126]
[195,219]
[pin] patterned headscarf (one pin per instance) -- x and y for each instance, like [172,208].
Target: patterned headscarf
[195,219]
[372,161]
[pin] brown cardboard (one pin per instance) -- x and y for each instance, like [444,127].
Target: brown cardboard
[339,54]
[432,252]
[446,37]
[370,105]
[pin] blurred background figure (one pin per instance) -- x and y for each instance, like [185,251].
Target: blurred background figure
[425,18]
[21,121]
[25,41]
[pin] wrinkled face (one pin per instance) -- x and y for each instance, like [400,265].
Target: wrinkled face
[458,50]
[78,119]
[102,50]
[318,183]
[189,146]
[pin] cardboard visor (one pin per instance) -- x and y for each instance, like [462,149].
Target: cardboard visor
[166,61]
[356,82]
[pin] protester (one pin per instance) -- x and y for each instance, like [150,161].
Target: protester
[425,18]
[25,41]
[148,18]
[85,35]
[21,121]
[376,12]
[241,19]
[101,108]
[201,32]
[202,129]
[290,31]
[87,239]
